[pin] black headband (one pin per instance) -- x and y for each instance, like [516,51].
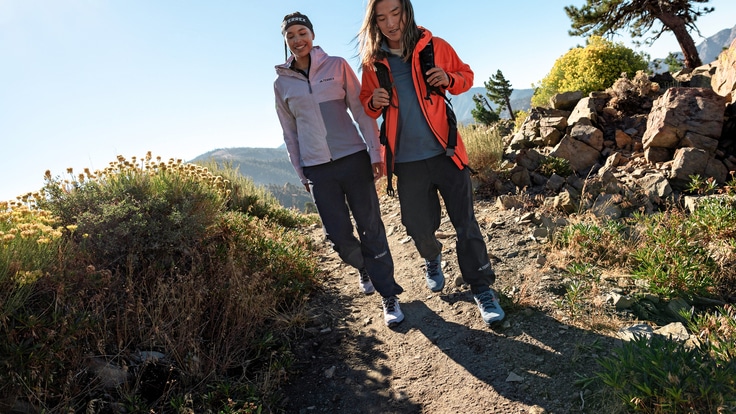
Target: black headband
[295,18]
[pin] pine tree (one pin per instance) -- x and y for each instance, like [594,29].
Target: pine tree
[483,112]
[606,17]
[499,91]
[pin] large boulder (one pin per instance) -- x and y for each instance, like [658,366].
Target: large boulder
[580,155]
[584,112]
[724,80]
[565,100]
[693,161]
[589,135]
[682,110]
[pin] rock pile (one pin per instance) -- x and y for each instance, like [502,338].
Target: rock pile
[633,145]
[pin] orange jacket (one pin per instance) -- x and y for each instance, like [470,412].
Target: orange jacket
[461,80]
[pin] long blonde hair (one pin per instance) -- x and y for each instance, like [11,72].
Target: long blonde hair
[370,37]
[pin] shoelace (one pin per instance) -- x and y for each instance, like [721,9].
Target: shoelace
[390,304]
[364,277]
[488,301]
[432,266]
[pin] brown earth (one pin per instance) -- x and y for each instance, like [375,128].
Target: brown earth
[443,358]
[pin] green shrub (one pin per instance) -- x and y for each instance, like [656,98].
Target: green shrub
[555,165]
[598,244]
[672,257]
[135,217]
[672,253]
[245,196]
[592,68]
[659,375]
[151,261]
[521,116]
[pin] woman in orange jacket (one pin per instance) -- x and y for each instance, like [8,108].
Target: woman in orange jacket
[405,74]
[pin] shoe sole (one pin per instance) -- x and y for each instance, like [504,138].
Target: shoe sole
[495,324]
[495,321]
[370,291]
[437,289]
[394,324]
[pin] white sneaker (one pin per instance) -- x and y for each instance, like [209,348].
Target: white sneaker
[392,314]
[364,281]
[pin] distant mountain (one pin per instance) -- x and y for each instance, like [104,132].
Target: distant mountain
[263,165]
[708,49]
[711,47]
[463,104]
[266,167]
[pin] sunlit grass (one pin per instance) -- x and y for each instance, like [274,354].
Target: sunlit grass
[484,147]
[154,256]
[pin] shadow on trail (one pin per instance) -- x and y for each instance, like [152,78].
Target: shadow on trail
[493,356]
[343,371]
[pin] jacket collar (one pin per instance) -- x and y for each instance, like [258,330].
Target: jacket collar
[421,43]
[316,54]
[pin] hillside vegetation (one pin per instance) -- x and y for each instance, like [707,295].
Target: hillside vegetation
[150,286]
[167,287]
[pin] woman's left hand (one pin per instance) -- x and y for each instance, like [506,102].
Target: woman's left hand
[438,78]
[378,170]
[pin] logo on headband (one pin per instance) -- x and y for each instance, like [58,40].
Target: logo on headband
[297,19]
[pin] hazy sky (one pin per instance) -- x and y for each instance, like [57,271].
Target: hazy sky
[82,81]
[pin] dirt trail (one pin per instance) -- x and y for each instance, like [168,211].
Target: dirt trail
[442,358]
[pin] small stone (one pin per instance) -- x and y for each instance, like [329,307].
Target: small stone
[514,378]
[537,410]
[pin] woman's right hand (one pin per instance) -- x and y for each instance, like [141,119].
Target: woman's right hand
[380,98]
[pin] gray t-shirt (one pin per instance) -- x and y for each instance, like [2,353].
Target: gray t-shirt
[416,141]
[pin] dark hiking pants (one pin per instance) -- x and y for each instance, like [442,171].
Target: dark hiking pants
[418,185]
[344,186]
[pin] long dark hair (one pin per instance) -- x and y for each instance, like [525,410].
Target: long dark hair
[370,37]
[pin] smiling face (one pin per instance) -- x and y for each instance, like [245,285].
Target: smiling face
[391,21]
[299,40]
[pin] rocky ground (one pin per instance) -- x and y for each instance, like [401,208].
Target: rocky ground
[443,358]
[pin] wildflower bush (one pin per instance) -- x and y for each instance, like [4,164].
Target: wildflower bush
[149,287]
[594,67]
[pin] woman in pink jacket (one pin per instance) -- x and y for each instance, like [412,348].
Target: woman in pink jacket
[406,72]
[314,92]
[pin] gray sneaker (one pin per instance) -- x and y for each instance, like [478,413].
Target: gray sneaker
[490,308]
[392,314]
[364,281]
[433,274]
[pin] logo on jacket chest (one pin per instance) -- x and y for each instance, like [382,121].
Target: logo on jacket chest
[326,80]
